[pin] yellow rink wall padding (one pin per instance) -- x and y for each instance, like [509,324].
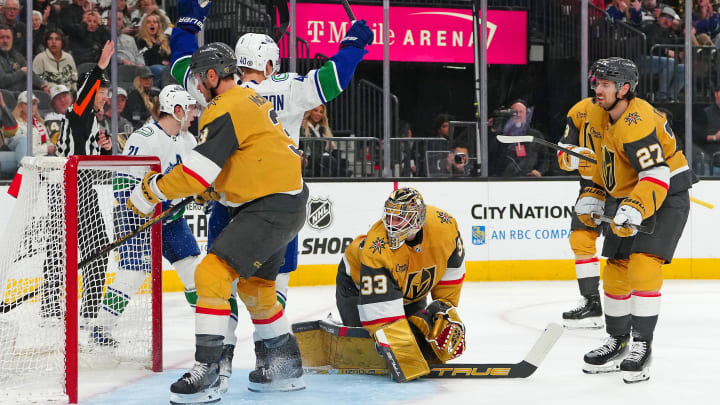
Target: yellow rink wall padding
[504,270]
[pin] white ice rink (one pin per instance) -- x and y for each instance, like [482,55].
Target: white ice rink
[503,320]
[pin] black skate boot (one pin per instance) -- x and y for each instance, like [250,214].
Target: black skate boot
[101,336]
[197,386]
[278,366]
[607,358]
[588,314]
[225,368]
[636,366]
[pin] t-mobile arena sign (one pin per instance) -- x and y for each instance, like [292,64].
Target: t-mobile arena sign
[417,34]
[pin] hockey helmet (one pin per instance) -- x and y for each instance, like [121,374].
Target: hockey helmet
[615,69]
[253,51]
[216,56]
[404,215]
[173,95]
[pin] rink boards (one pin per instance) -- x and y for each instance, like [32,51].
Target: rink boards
[512,230]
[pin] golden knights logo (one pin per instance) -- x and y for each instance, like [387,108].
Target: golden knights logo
[319,213]
[632,118]
[608,169]
[378,245]
[419,283]
[444,217]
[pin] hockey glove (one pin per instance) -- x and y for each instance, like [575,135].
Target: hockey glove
[569,162]
[208,195]
[146,195]
[359,36]
[592,200]
[192,13]
[627,218]
[443,329]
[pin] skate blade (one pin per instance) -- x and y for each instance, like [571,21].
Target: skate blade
[209,396]
[610,367]
[223,384]
[595,322]
[632,377]
[288,384]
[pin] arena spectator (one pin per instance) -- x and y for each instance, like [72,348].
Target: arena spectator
[54,65]
[139,101]
[708,138]
[146,7]
[154,45]
[41,145]
[9,17]
[671,74]
[127,50]
[706,20]
[518,159]
[323,158]
[71,16]
[620,10]
[125,127]
[60,102]
[86,40]
[122,9]
[13,66]
[457,163]
[8,125]
[39,30]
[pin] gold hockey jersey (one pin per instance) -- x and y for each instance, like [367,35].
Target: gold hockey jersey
[388,279]
[243,149]
[639,158]
[585,123]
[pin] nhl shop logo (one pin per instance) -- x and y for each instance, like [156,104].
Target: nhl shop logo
[319,213]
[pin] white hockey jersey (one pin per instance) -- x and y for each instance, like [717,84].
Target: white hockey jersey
[291,95]
[151,140]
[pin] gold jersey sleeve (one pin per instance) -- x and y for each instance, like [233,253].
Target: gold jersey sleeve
[640,159]
[243,149]
[584,124]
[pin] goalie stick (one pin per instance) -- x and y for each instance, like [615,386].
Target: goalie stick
[134,232]
[523,369]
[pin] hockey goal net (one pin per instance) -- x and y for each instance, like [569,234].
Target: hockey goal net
[66,211]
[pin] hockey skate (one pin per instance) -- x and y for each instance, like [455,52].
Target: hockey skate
[197,386]
[102,337]
[606,358]
[588,314]
[636,366]
[225,368]
[278,366]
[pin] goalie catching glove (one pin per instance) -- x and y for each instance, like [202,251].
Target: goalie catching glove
[146,195]
[443,329]
[569,162]
[592,200]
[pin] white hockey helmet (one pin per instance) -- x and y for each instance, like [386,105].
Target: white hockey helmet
[253,51]
[173,95]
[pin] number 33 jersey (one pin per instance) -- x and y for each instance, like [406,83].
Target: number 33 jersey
[433,263]
[639,158]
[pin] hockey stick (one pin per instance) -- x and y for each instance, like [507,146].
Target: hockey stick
[531,139]
[348,10]
[6,307]
[136,231]
[523,369]
[640,228]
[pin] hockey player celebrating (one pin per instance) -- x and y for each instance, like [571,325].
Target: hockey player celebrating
[258,64]
[644,171]
[170,141]
[244,152]
[581,135]
[385,277]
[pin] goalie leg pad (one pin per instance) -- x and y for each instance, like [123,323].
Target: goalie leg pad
[402,354]
[443,329]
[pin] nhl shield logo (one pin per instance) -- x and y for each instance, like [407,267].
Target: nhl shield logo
[319,213]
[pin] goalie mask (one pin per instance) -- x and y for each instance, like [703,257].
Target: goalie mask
[404,215]
[253,51]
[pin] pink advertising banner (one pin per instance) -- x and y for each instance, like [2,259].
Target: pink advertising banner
[417,34]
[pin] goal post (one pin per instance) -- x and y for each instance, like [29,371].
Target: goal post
[68,209]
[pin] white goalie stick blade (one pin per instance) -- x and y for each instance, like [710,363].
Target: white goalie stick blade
[523,369]
[532,139]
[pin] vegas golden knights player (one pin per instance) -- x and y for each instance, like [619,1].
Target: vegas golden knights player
[641,168]
[385,277]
